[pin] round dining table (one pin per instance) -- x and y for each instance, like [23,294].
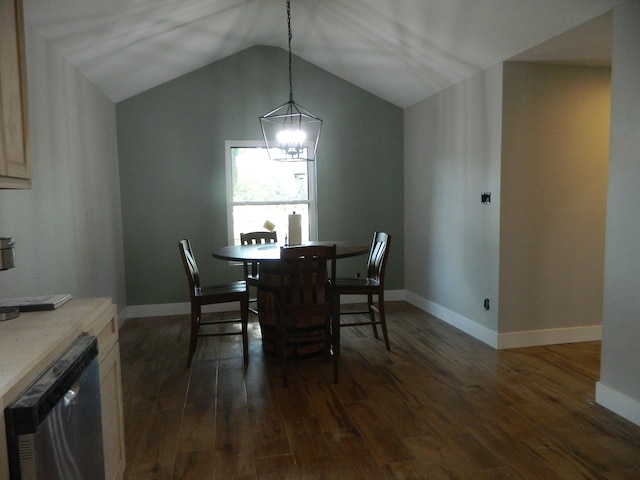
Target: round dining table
[271,251]
[268,256]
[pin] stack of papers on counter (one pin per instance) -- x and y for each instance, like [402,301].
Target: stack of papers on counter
[34,304]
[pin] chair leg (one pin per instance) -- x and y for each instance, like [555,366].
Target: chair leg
[253,303]
[193,339]
[244,315]
[335,323]
[335,342]
[285,382]
[383,320]
[372,314]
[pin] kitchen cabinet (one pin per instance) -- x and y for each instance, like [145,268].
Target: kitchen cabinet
[29,343]
[112,415]
[106,329]
[15,168]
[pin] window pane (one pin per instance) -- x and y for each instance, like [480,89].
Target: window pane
[260,190]
[257,179]
[251,218]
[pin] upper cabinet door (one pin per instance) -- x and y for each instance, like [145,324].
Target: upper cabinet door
[15,168]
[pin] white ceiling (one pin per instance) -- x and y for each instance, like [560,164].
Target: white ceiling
[401,50]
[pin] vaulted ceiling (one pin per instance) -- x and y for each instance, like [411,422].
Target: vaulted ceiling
[401,50]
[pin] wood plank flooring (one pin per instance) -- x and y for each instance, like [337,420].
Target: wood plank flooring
[440,405]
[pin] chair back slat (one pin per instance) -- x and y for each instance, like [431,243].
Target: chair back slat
[190,266]
[306,276]
[378,254]
[256,238]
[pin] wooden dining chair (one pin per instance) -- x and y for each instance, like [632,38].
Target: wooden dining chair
[372,285]
[304,303]
[251,269]
[208,295]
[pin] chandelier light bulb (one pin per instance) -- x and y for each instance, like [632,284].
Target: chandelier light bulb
[291,137]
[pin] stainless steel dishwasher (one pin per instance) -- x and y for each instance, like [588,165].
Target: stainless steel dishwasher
[54,427]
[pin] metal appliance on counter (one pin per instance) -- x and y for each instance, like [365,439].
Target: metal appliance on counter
[7,253]
[7,260]
[54,427]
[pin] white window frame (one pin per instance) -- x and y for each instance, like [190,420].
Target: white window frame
[311,179]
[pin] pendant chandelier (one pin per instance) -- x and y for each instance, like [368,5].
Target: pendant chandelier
[291,133]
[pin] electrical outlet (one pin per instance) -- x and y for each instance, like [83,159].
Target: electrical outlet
[486,304]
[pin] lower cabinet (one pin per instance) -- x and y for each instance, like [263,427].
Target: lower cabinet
[106,329]
[112,415]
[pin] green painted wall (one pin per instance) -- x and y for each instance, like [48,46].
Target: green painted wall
[172,166]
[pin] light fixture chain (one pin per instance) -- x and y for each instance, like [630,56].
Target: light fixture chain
[290,132]
[290,36]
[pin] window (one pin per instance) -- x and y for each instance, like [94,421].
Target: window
[260,190]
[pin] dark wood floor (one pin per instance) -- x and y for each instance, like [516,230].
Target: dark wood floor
[440,405]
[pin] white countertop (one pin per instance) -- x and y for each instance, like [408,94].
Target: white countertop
[29,343]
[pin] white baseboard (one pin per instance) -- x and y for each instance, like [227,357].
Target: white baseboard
[164,309]
[618,403]
[160,310]
[549,336]
[495,340]
[389,296]
[454,319]
[530,338]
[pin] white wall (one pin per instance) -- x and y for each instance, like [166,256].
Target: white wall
[67,227]
[452,155]
[554,185]
[619,386]
[536,137]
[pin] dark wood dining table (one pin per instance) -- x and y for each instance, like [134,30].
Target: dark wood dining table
[271,251]
[268,256]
